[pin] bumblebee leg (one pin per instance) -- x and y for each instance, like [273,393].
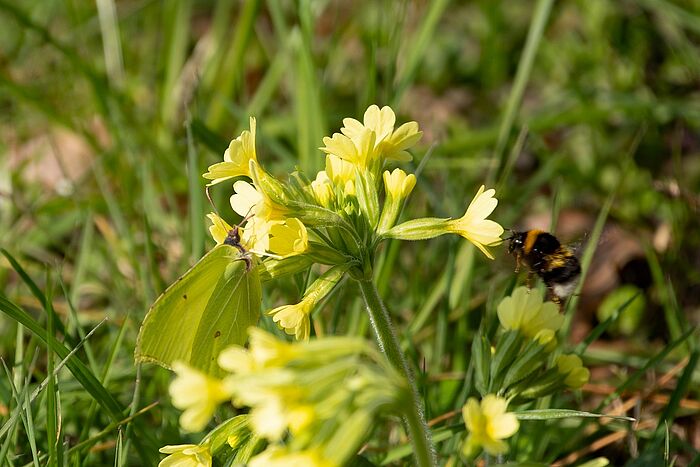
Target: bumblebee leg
[518,258]
[551,296]
[529,282]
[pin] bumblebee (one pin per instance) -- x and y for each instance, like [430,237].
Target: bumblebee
[555,263]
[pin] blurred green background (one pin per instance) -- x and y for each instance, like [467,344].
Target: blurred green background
[575,111]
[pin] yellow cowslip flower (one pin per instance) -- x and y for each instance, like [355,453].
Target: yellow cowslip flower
[359,151]
[294,319]
[525,311]
[389,144]
[245,198]
[197,394]
[299,417]
[236,158]
[488,424]
[267,229]
[256,236]
[186,455]
[265,350]
[267,418]
[338,170]
[236,359]
[219,229]
[474,226]
[277,456]
[398,184]
[288,237]
[576,374]
[322,189]
[248,200]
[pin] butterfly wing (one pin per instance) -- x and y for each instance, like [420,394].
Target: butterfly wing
[233,307]
[170,329]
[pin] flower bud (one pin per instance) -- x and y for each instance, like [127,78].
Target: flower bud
[397,186]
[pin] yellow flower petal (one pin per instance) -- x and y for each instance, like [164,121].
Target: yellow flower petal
[474,226]
[294,319]
[236,158]
[488,424]
[525,311]
[219,229]
[246,197]
[186,455]
[398,184]
[197,394]
[288,237]
[572,366]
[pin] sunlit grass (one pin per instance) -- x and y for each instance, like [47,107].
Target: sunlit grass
[588,110]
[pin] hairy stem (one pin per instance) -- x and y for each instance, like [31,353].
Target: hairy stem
[414,416]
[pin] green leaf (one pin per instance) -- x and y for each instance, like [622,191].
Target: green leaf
[481,356]
[208,308]
[81,372]
[549,414]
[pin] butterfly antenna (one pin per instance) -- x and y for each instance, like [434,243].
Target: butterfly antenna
[211,202]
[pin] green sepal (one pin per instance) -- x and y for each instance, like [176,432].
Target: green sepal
[507,350]
[367,197]
[272,268]
[537,386]
[419,229]
[531,359]
[244,443]
[219,436]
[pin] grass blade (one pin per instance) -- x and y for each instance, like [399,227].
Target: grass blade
[534,36]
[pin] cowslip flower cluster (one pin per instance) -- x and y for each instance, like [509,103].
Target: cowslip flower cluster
[525,364]
[339,217]
[313,402]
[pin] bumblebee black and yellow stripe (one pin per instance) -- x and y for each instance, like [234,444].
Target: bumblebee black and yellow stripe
[530,239]
[555,263]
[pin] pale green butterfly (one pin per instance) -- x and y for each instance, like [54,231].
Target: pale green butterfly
[206,310]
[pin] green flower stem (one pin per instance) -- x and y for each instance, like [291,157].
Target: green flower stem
[386,337]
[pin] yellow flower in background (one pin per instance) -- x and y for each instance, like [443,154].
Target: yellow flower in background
[398,184]
[388,144]
[197,394]
[265,351]
[474,226]
[268,350]
[488,424]
[576,374]
[236,158]
[237,360]
[186,455]
[219,229]
[525,311]
[288,237]
[267,419]
[276,456]
[294,319]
